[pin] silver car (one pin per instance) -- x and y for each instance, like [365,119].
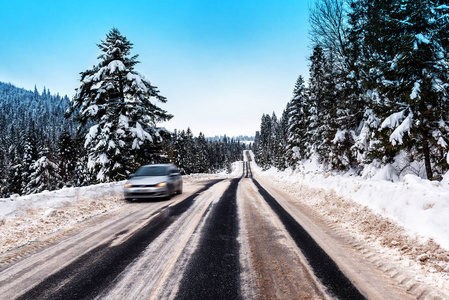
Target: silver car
[154,181]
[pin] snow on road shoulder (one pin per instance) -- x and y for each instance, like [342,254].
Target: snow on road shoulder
[17,205]
[28,218]
[420,206]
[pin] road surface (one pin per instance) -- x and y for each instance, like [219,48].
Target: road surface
[224,238]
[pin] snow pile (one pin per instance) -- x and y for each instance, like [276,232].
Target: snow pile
[15,205]
[420,206]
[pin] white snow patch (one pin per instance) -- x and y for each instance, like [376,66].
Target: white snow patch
[419,205]
[393,120]
[422,38]
[415,91]
[339,136]
[116,65]
[16,205]
[398,133]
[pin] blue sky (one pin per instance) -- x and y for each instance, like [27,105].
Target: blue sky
[221,64]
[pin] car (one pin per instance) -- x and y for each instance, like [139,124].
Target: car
[154,181]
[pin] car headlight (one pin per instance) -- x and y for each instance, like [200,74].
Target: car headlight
[161,184]
[128,185]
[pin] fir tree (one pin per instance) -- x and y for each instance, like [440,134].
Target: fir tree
[202,154]
[116,102]
[297,123]
[44,174]
[30,155]
[322,89]
[14,182]
[409,74]
[67,157]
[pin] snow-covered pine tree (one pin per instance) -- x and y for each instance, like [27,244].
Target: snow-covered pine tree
[407,43]
[282,160]
[202,154]
[350,144]
[116,102]
[189,156]
[276,142]
[183,151]
[44,173]
[297,123]
[263,151]
[67,157]
[321,114]
[14,179]
[30,155]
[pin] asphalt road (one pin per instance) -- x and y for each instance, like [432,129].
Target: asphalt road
[226,238]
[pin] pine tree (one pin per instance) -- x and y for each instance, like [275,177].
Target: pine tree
[67,157]
[263,151]
[322,111]
[44,174]
[408,63]
[115,101]
[297,123]
[30,155]
[14,182]
[283,128]
[350,142]
[202,155]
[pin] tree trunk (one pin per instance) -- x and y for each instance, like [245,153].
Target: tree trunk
[426,153]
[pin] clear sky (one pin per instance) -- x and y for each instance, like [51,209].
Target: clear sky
[221,64]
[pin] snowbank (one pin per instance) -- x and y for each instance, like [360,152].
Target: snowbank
[420,206]
[14,205]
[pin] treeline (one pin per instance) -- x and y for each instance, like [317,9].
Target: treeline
[377,91]
[201,155]
[40,149]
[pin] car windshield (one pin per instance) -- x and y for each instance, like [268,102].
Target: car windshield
[152,171]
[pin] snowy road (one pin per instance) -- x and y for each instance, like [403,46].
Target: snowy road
[225,238]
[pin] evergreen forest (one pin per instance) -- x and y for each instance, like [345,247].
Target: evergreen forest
[376,96]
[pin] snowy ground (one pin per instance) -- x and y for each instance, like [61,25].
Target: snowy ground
[407,221]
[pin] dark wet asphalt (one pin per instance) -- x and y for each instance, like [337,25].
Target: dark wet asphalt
[213,271]
[327,271]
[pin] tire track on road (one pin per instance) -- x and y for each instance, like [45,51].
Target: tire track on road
[213,271]
[324,268]
[81,280]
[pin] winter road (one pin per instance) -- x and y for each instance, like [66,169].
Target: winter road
[228,238]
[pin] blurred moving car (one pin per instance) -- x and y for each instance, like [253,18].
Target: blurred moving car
[154,181]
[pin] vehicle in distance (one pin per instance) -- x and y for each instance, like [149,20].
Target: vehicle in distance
[154,181]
